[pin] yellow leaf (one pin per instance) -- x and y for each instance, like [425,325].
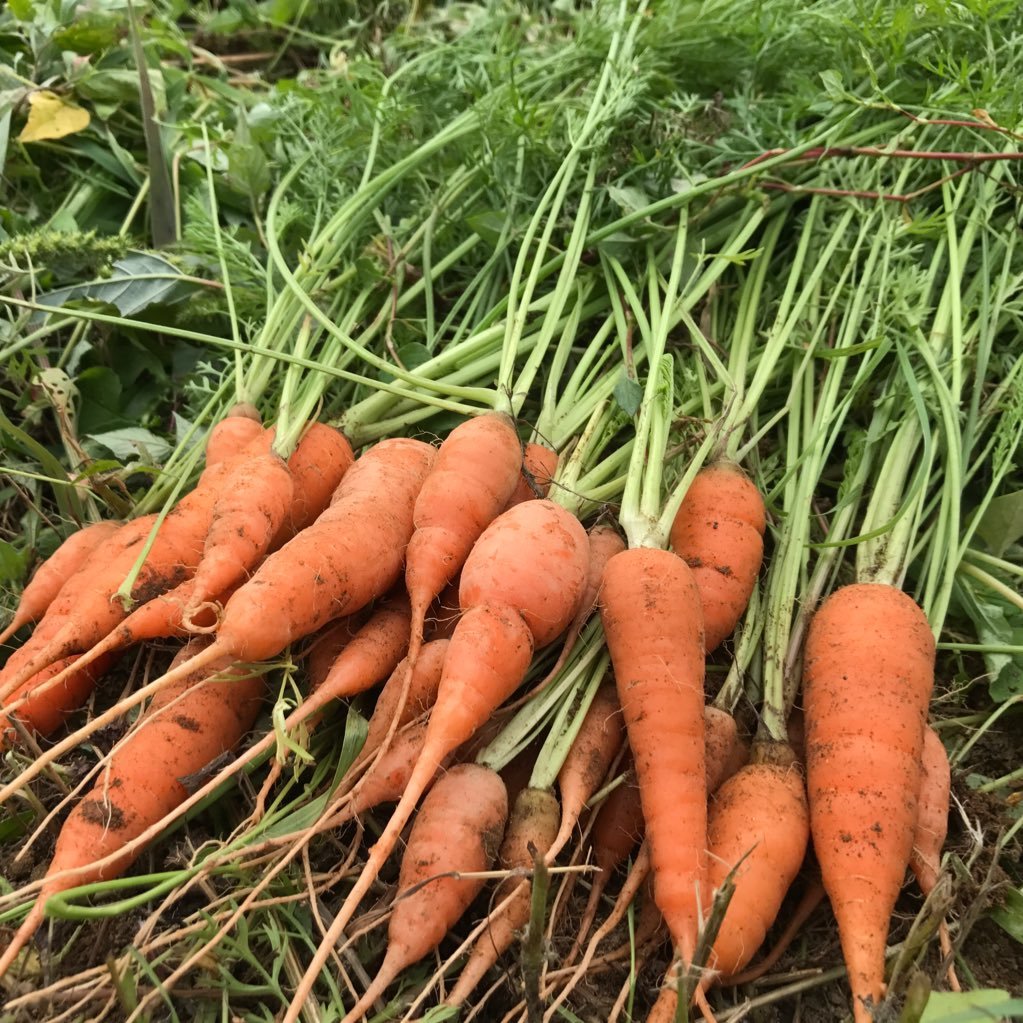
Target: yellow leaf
[50,117]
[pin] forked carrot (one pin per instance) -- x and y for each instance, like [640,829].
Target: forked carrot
[51,575]
[456,831]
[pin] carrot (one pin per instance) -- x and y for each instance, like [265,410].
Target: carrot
[348,557]
[326,647]
[533,825]
[51,575]
[181,732]
[443,617]
[468,486]
[539,464]
[232,434]
[247,515]
[422,694]
[726,752]
[759,817]
[318,464]
[597,743]
[43,710]
[520,586]
[650,607]
[931,829]
[868,675]
[457,830]
[719,532]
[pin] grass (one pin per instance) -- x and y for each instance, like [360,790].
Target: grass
[423,209]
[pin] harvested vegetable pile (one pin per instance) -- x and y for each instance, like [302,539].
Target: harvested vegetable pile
[511,514]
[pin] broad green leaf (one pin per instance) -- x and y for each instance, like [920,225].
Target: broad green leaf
[629,395]
[629,198]
[133,443]
[23,10]
[50,117]
[1002,523]
[246,163]
[12,563]
[139,280]
[984,1006]
[91,32]
[1009,915]
[1000,624]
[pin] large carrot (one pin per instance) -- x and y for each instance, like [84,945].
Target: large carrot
[650,607]
[348,557]
[51,575]
[719,532]
[868,676]
[181,732]
[457,831]
[520,586]
[531,829]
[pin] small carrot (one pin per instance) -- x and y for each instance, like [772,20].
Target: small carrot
[868,675]
[325,647]
[51,575]
[457,831]
[726,752]
[317,466]
[181,732]
[467,488]
[596,745]
[719,532]
[42,709]
[539,463]
[231,435]
[531,829]
[658,659]
[931,829]
[520,586]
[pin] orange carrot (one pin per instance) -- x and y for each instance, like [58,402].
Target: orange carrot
[597,743]
[868,675]
[232,434]
[719,532]
[931,829]
[470,483]
[539,464]
[520,586]
[247,515]
[181,732]
[457,830]
[51,575]
[726,752]
[318,464]
[325,647]
[759,817]
[43,710]
[650,607]
[533,825]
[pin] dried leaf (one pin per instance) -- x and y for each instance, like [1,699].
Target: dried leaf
[50,117]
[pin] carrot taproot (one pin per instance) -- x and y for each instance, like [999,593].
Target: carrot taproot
[351,555]
[931,829]
[181,731]
[317,465]
[651,611]
[719,532]
[471,480]
[52,574]
[726,751]
[457,831]
[520,586]
[539,463]
[531,829]
[759,826]
[589,758]
[42,709]
[325,647]
[868,674]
